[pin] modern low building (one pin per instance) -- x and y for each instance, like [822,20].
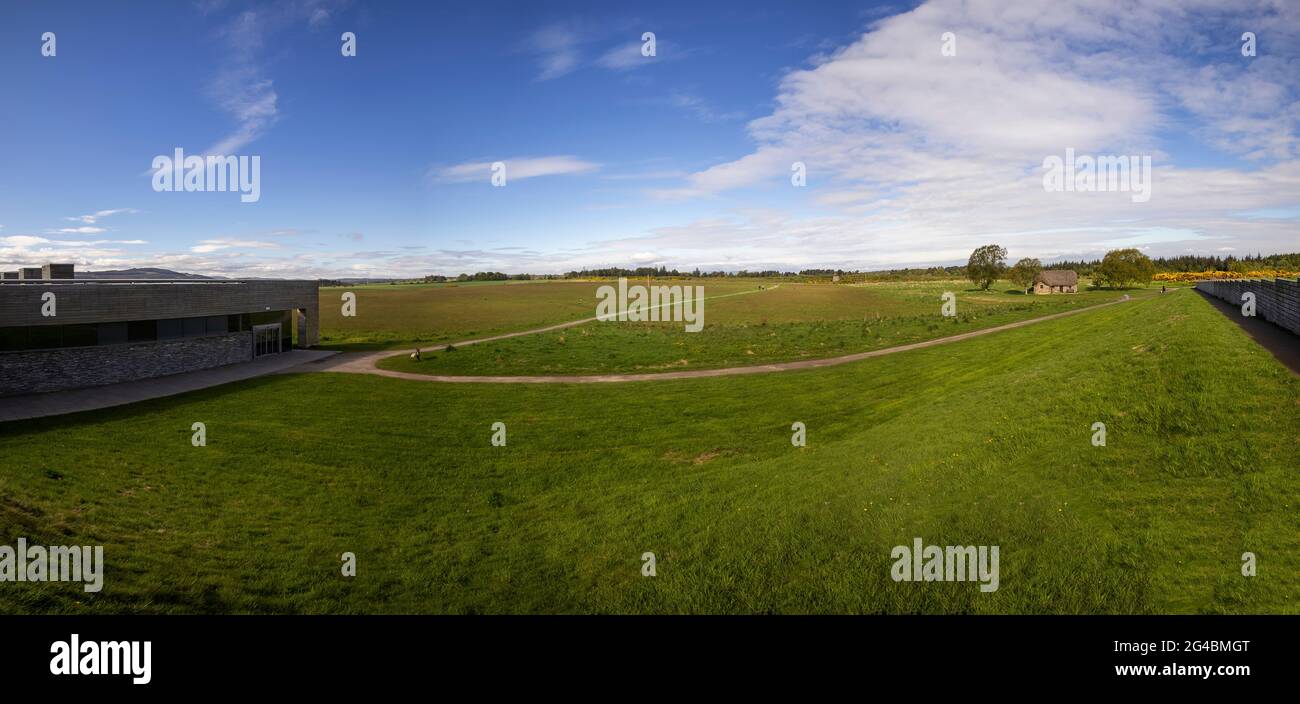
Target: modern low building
[63,333]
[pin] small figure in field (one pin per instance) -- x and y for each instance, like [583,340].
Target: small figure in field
[416,354]
[1162,289]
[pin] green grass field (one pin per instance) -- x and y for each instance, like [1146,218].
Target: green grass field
[400,317]
[767,326]
[982,442]
[396,317]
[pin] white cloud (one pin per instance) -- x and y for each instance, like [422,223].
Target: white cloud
[318,17]
[517,168]
[217,245]
[557,49]
[93,217]
[916,157]
[240,89]
[32,250]
[627,56]
[86,230]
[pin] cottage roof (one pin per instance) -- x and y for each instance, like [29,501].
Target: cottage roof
[1057,277]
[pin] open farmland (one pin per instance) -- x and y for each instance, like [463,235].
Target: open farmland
[984,441]
[787,323]
[400,316]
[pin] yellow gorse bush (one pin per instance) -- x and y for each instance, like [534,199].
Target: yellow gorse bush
[1189,276]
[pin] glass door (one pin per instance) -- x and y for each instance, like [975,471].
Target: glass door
[266,339]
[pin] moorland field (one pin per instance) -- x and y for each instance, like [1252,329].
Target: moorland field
[986,441]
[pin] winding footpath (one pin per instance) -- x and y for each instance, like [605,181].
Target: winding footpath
[364,363]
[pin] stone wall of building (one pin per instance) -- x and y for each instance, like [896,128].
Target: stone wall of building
[39,371]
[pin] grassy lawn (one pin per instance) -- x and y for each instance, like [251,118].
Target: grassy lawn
[769,326]
[983,442]
[400,317]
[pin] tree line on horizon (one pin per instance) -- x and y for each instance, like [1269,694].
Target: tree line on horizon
[1026,267]
[1120,268]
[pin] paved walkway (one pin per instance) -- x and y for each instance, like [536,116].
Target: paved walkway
[59,402]
[1283,343]
[364,363]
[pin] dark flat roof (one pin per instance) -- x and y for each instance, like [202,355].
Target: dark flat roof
[100,282]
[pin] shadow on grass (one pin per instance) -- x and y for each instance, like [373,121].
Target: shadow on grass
[131,410]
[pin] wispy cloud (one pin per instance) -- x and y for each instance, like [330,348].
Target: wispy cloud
[94,217]
[556,46]
[34,240]
[627,55]
[85,230]
[216,245]
[559,48]
[33,250]
[208,7]
[517,168]
[699,107]
[240,87]
[624,57]
[647,175]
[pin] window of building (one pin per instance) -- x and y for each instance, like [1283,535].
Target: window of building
[112,333]
[217,325]
[42,337]
[171,329]
[80,336]
[13,338]
[142,331]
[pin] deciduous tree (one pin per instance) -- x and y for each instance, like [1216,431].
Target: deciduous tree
[1121,268]
[986,265]
[1023,273]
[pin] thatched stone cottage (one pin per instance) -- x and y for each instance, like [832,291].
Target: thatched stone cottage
[1056,281]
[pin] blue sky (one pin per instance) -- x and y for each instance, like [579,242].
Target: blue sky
[377,164]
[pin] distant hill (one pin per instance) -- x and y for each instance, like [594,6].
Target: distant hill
[140,273]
